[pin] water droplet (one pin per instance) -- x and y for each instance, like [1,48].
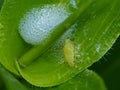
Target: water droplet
[98,46]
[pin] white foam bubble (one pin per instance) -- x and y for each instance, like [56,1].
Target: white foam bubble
[73,3]
[38,23]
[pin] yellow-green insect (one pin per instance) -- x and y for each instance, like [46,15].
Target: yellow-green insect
[69,52]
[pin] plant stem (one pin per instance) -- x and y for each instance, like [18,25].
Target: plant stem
[59,30]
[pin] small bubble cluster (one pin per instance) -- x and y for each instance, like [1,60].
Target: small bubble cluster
[38,23]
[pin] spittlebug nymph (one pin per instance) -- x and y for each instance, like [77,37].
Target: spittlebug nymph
[69,52]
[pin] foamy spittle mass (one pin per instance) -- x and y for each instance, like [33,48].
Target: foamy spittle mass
[38,23]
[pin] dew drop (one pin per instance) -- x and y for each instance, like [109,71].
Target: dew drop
[98,46]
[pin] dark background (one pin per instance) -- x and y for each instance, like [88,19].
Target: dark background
[109,67]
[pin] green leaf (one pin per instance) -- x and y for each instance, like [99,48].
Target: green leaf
[58,31]
[92,35]
[110,70]
[9,81]
[86,80]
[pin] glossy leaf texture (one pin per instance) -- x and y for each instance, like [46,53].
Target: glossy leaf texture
[110,67]
[86,80]
[92,35]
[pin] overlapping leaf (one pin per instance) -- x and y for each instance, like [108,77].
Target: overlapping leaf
[9,82]
[86,80]
[92,35]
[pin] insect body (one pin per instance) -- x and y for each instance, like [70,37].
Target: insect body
[69,52]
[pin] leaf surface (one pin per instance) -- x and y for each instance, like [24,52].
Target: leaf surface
[9,82]
[92,35]
[86,80]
